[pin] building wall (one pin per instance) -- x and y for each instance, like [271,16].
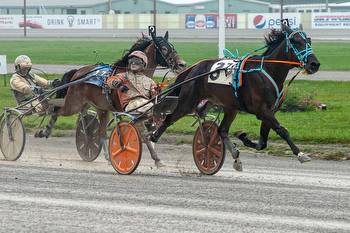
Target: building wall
[146,7]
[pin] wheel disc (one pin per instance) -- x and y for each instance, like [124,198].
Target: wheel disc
[209,155]
[125,159]
[12,149]
[88,141]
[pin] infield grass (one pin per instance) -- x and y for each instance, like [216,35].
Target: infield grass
[332,55]
[330,126]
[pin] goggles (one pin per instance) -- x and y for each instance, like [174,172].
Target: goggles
[136,61]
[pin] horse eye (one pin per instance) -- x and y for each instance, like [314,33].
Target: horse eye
[309,40]
[164,50]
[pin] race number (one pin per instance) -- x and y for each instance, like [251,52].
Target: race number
[3,64]
[225,67]
[152,30]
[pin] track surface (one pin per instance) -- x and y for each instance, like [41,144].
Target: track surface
[51,190]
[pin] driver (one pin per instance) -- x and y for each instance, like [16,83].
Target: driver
[136,88]
[27,85]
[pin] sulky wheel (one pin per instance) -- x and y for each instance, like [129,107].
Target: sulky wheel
[12,137]
[208,149]
[87,137]
[125,148]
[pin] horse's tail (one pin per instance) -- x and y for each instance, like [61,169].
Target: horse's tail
[65,79]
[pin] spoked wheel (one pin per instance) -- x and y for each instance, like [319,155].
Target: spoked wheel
[208,149]
[12,137]
[125,148]
[87,137]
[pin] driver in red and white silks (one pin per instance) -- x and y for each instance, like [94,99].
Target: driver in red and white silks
[136,88]
[27,85]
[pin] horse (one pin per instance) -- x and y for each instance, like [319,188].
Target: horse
[77,98]
[262,80]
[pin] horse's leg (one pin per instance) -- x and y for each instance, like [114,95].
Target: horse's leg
[271,120]
[74,101]
[264,134]
[229,116]
[103,118]
[151,146]
[48,128]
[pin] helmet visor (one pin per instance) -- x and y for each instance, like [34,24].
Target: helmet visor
[24,70]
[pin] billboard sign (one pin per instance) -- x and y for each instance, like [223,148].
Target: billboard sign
[272,20]
[340,20]
[209,21]
[52,21]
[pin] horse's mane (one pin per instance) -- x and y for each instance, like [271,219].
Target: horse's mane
[272,40]
[141,44]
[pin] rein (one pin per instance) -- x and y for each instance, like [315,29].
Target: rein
[277,61]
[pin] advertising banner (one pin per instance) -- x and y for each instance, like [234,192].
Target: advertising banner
[339,20]
[272,20]
[208,21]
[8,21]
[52,21]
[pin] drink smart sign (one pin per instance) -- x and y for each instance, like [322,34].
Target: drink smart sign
[52,21]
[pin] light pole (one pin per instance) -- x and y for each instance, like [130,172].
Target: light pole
[154,12]
[221,28]
[109,6]
[281,9]
[25,17]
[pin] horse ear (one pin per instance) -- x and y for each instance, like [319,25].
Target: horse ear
[301,27]
[166,36]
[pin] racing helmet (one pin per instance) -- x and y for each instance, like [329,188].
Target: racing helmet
[140,55]
[23,64]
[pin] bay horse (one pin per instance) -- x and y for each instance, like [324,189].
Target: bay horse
[262,84]
[77,98]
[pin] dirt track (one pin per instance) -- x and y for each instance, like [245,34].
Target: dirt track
[51,189]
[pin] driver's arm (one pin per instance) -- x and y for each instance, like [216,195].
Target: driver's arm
[41,81]
[19,85]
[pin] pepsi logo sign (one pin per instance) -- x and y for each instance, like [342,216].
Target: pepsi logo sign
[259,21]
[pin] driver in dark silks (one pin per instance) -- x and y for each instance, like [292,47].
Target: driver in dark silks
[135,91]
[27,85]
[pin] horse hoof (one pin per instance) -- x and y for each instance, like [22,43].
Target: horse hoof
[303,157]
[159,164]
[237,165]
[240,135]
[41,134]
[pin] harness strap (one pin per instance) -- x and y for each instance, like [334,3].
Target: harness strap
[284,92]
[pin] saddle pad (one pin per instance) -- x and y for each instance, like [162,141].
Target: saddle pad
[99,75]
[223,77]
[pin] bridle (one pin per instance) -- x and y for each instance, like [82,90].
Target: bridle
[170,56]
[302,55]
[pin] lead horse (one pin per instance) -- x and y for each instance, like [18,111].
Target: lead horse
[262,80]
[78,98]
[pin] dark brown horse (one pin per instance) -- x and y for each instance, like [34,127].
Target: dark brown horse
[258,95]
[78,98]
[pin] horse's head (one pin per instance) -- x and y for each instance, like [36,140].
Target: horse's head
[166,54]
[299,47]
